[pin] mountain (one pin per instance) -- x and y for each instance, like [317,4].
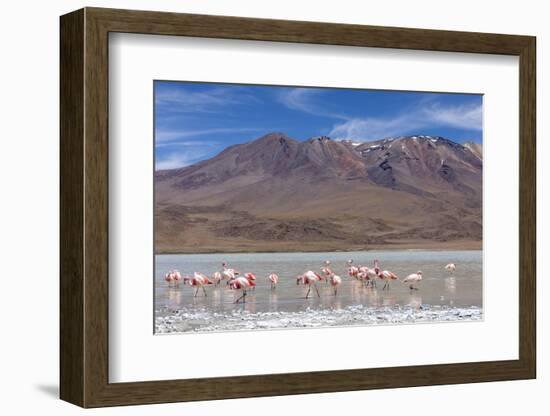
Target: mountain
[277,194]
[475,148]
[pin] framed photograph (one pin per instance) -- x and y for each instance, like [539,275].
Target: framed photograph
[255,207]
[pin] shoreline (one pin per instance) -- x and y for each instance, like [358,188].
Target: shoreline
[474,246]
[189,321]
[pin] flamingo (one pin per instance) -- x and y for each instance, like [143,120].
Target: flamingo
[241,283]
[309,278]
[251,277]
[387,276]
[217,278]
[367,275]
[377,270]
[376,266]
[335,281]
[227,273]
[169,277]
[177,277]
[274,279]
[451,267]
[352,270]
[326,270]
[199,280]
[413,280]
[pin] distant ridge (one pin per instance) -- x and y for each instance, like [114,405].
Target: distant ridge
[276,193]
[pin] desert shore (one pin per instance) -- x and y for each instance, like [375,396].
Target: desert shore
[202,320]
[290,247]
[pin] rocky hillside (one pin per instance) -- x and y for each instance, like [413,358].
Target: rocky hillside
[277,193]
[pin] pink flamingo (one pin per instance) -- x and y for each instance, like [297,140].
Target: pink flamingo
[326,270]
[217,278]
[377,270]
[169,277]
[199,280]
[367,275]
[227,273]
[352,270]
[376,266]
[252,278]
[186,279]
[309,278]
[177,277]
[335,281]
[274,279]
[413,279]
[387,276]
[242,283]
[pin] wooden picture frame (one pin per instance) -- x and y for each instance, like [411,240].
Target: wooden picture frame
[84,207]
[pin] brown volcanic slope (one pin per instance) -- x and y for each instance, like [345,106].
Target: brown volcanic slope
[279,194]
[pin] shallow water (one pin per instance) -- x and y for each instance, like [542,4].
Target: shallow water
[441,295]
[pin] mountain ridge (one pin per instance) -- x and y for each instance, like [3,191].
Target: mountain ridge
[322,194]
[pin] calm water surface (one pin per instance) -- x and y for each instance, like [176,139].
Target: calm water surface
[461,289]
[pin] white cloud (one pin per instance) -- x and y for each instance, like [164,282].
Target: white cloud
[466,117]
[180,159]
[428,113]
[212,100]
[163,135]
[174,160]
[298,99]
[372,128]
[301,99]
[187,143]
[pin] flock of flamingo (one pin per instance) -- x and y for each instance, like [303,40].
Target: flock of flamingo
[247,281]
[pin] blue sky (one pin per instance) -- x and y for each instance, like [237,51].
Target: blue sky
[195,121]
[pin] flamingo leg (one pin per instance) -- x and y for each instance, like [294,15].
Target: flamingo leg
[335,291]
[244,296]
[196,291]
[317,290]
[308,290]
[239,298]
[203,291]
